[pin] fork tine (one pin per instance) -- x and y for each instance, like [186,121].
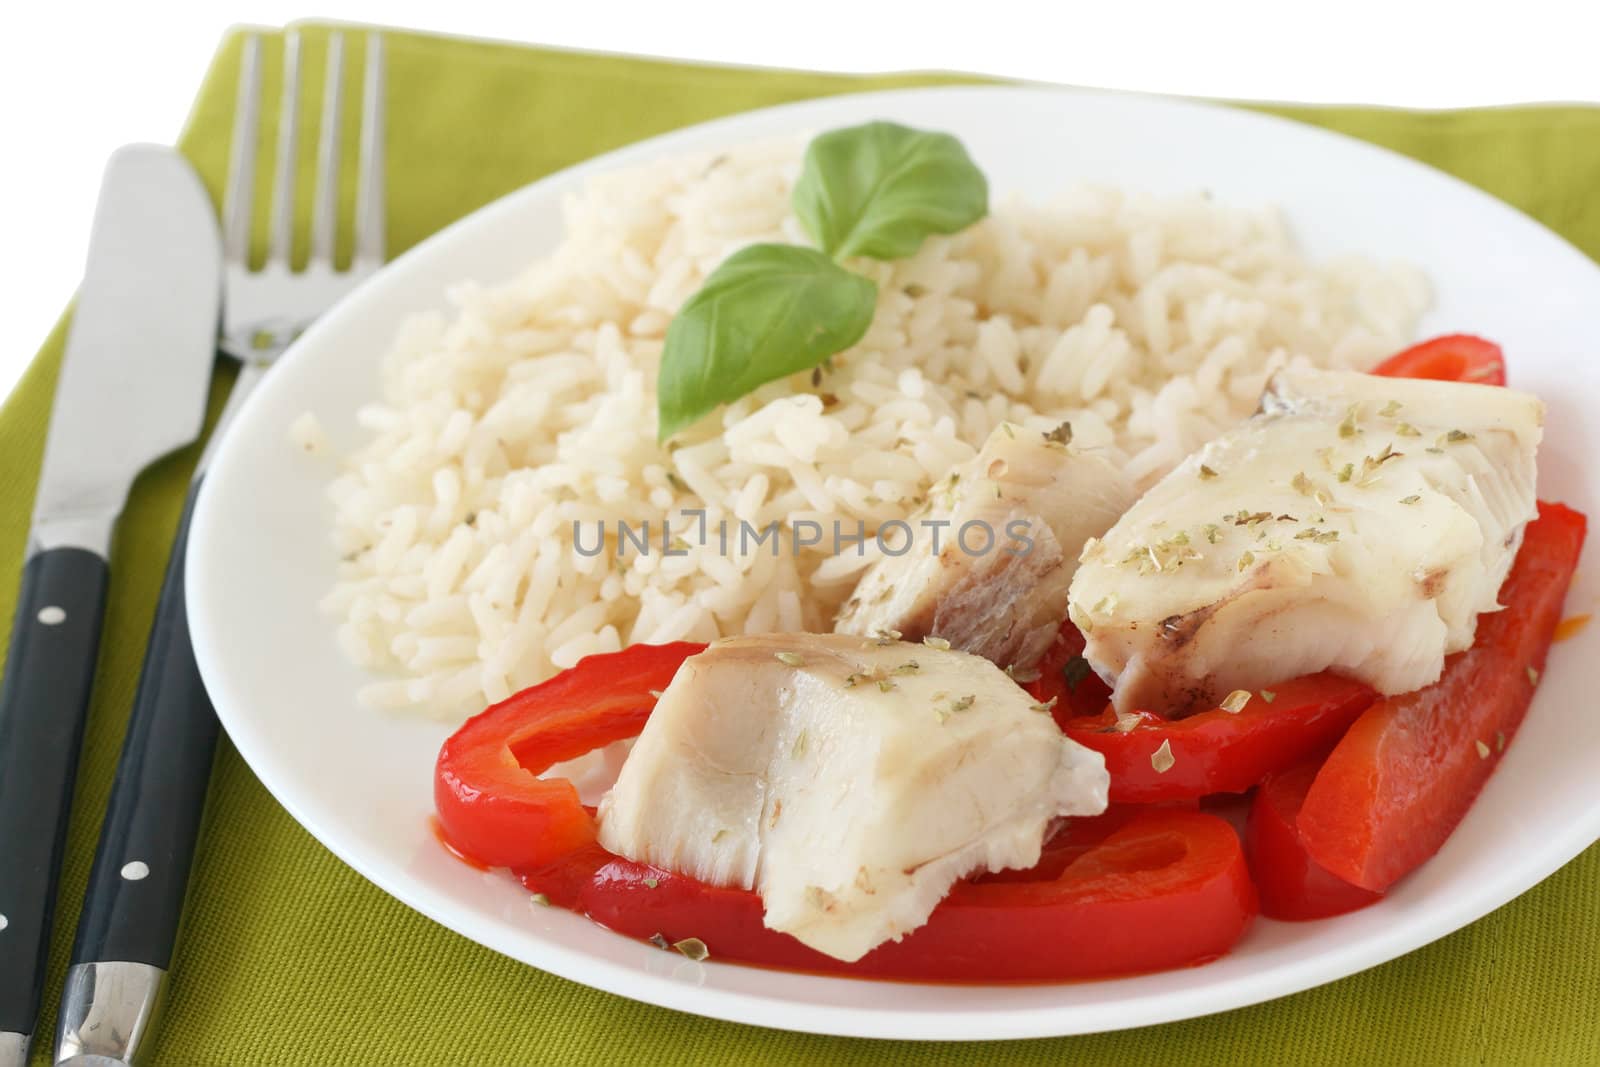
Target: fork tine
[242,155]
[369,194]
[325,207]
[280,245]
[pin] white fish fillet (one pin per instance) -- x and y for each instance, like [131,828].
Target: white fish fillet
[1356,523]
[849,781]
[991,577]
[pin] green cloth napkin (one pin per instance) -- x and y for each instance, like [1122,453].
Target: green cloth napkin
[290,957]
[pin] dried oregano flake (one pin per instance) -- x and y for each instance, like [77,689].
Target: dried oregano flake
[1235,701]
[1074,671]
[694,948]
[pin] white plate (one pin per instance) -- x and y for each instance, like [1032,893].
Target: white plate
[259,560]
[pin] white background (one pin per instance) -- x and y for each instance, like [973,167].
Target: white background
[77,79]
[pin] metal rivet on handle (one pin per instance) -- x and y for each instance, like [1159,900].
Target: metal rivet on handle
[137,871]
[52,615]
[4,922]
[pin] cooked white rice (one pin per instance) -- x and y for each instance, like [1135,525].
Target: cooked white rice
[1151,324]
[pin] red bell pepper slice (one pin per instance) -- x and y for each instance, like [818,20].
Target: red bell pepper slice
[1066,678]
[1292,884]
[1125,893]
[492,806]
[1457,357]
[1395,787]
[1219,751]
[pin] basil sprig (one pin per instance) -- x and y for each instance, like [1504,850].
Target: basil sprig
[879,190]
[757,319]
[772,310]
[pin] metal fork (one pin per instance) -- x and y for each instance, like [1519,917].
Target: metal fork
[129,924]
[265,310]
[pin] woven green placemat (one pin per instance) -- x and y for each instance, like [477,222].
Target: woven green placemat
[290,957]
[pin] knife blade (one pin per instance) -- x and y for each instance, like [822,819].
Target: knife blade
[132,388]
[138,360]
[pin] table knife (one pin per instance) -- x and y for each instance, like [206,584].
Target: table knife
[132,388]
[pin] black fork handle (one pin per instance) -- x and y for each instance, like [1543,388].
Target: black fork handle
[140,876]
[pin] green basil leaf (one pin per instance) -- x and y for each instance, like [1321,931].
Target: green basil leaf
[767,312]
[880,189]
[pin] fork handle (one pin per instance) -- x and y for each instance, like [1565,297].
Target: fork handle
[141,866]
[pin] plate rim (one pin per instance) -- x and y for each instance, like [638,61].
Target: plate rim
[739,1006]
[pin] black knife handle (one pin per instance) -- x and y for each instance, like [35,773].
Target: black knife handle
[43,704]
[141,866]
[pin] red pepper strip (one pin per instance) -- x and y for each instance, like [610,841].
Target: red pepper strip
[1164,888]
[1393,790]
[1458,357]
[1219,751]
[1291,883]
[492,806]
[1066,678]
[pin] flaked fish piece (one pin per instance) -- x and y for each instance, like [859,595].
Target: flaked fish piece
[991,559]
[849,781]
[1356,523]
